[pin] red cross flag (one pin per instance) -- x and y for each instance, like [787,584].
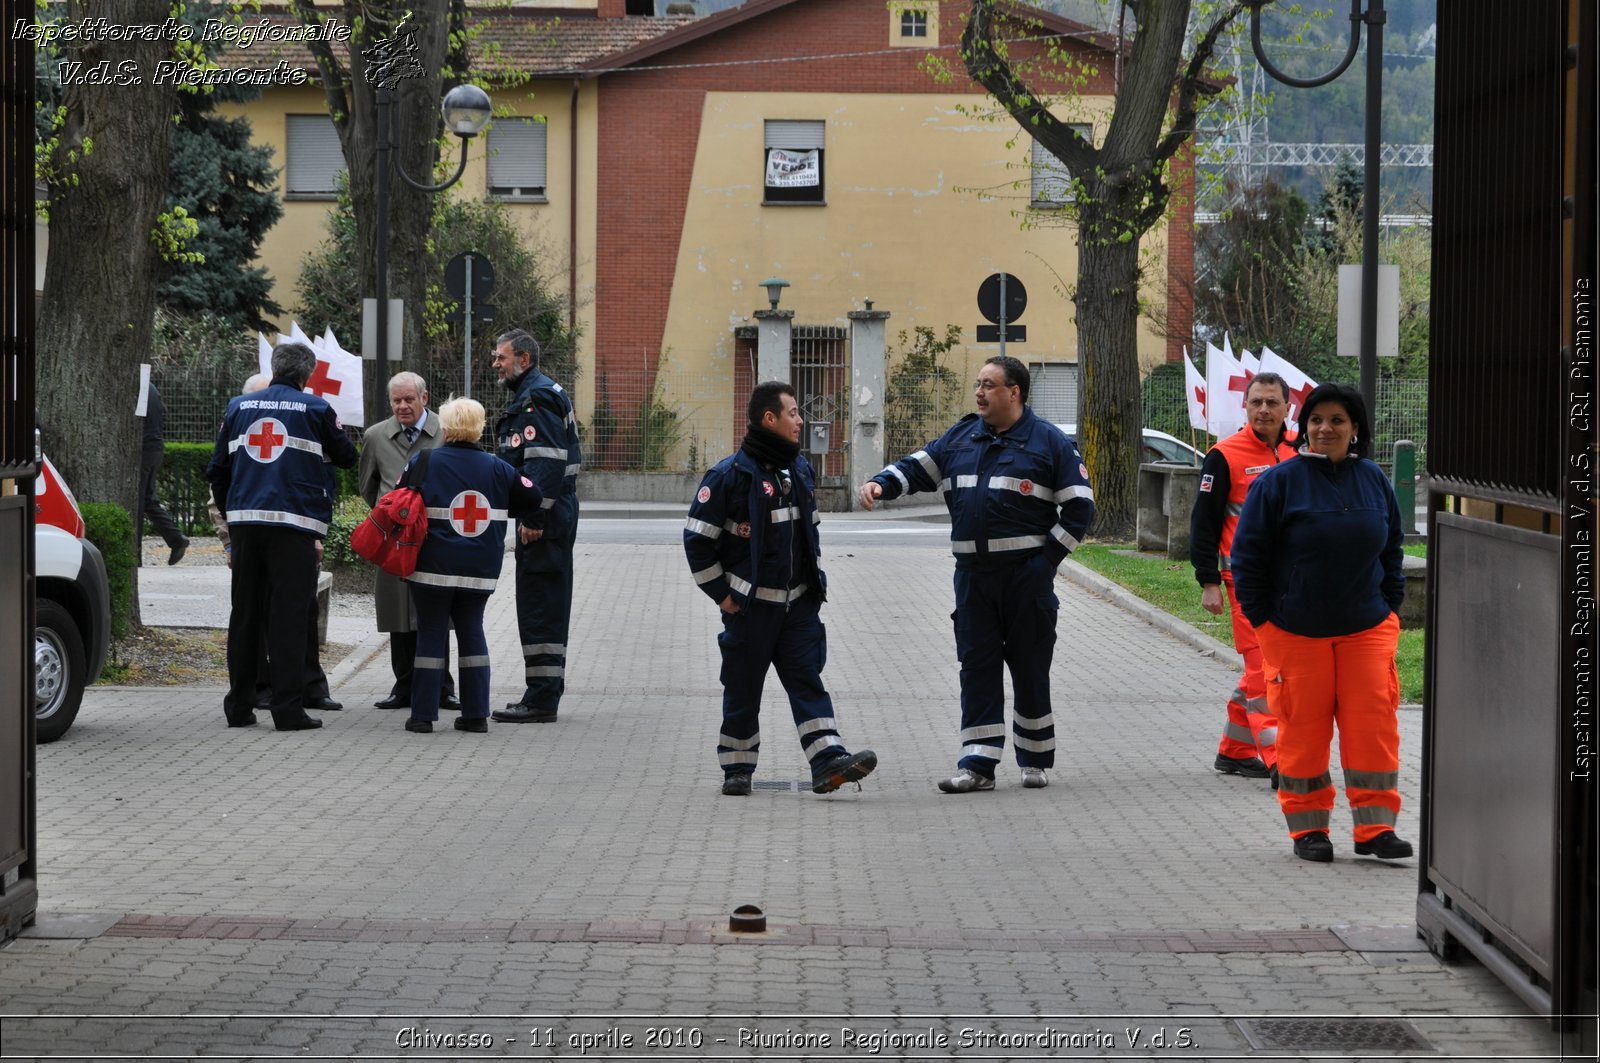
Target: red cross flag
[1194,392]
[1300,385]
[1225,386]
[336,376]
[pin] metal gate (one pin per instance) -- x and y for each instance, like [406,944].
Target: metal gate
[819,366]
[18,893]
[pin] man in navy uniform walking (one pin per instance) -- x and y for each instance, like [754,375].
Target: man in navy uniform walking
[751,540]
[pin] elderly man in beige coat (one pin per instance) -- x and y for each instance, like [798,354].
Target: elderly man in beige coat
[386,449]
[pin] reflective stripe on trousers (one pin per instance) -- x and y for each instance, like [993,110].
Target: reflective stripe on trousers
[1314,684]
[1250,730]
[794,642]
[1006,617]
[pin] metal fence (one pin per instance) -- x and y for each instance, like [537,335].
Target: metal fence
[1402,414]
[665,418]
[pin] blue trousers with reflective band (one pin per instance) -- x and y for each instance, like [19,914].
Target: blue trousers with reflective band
[1006,615]
[438,608]
[544,615]
[794,642]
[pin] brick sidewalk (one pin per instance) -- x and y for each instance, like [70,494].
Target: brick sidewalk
[589,866]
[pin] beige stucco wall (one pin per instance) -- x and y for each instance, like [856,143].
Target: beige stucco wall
[920,210]
[546,225]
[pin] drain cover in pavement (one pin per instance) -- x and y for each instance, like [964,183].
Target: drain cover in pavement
[1342,1035]
[791,786]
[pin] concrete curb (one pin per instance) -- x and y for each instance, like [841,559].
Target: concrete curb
[1119,596]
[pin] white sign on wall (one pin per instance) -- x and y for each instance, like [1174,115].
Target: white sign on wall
[793,169]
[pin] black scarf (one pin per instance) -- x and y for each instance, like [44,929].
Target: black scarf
[771,452]
[768,449]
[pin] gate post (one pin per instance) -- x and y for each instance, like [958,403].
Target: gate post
[866,458]
[773,331]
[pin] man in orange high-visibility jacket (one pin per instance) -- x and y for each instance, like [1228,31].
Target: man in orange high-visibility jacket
[1248,744]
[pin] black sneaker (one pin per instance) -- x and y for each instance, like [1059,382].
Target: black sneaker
[736,784]
[852,767]
[1386,846]
[1316,847]
[1249,767]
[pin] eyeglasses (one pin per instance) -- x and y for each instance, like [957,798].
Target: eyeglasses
[990,385]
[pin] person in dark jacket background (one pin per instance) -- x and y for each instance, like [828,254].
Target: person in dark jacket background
[470,495]
[150,456]
[538,434]
[751,543]
[1020,502]
[1318,568]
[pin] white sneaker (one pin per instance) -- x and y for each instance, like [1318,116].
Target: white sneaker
[965,781]
[1035,778]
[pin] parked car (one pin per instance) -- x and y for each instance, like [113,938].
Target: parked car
[1159,448]
[73,607]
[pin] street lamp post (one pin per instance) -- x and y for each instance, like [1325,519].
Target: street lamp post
[466,111]
[1374,19]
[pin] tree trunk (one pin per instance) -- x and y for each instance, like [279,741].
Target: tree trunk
[96,314]
[1110,412]
[414,140]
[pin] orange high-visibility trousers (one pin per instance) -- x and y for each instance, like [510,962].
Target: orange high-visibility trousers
[1250,731]
[1314,683]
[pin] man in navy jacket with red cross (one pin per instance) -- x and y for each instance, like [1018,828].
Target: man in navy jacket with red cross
[269,476]
[1019,502]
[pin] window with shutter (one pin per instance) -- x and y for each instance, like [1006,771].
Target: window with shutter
[517,158]
[792,158]
[1053,393]
[313,157]
[1052,181]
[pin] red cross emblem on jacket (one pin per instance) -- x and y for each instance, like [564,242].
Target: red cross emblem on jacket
[469,514]
[264,440]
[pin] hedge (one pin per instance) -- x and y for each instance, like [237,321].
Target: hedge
[109,527]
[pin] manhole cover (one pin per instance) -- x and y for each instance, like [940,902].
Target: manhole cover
[791,786]
[1342,1035]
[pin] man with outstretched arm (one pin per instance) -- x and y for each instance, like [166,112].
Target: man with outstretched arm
[1019,501]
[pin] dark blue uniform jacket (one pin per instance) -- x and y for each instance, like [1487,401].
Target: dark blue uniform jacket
[471,496]
[753,533]
[538,434]
[1317,550]
[1012,495]
[269,464]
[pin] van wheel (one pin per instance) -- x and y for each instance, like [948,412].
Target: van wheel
[59,672]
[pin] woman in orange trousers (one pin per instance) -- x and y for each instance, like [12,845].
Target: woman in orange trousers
[1317,566]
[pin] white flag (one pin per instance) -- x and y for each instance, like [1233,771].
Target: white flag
[264,354]
[337,379]
[1225,387]
[1194,392]
[1252,364]
[1300,385]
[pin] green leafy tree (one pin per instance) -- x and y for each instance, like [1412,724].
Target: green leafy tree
[1121,190]
[524,293]
[1245,281]
[226,184]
